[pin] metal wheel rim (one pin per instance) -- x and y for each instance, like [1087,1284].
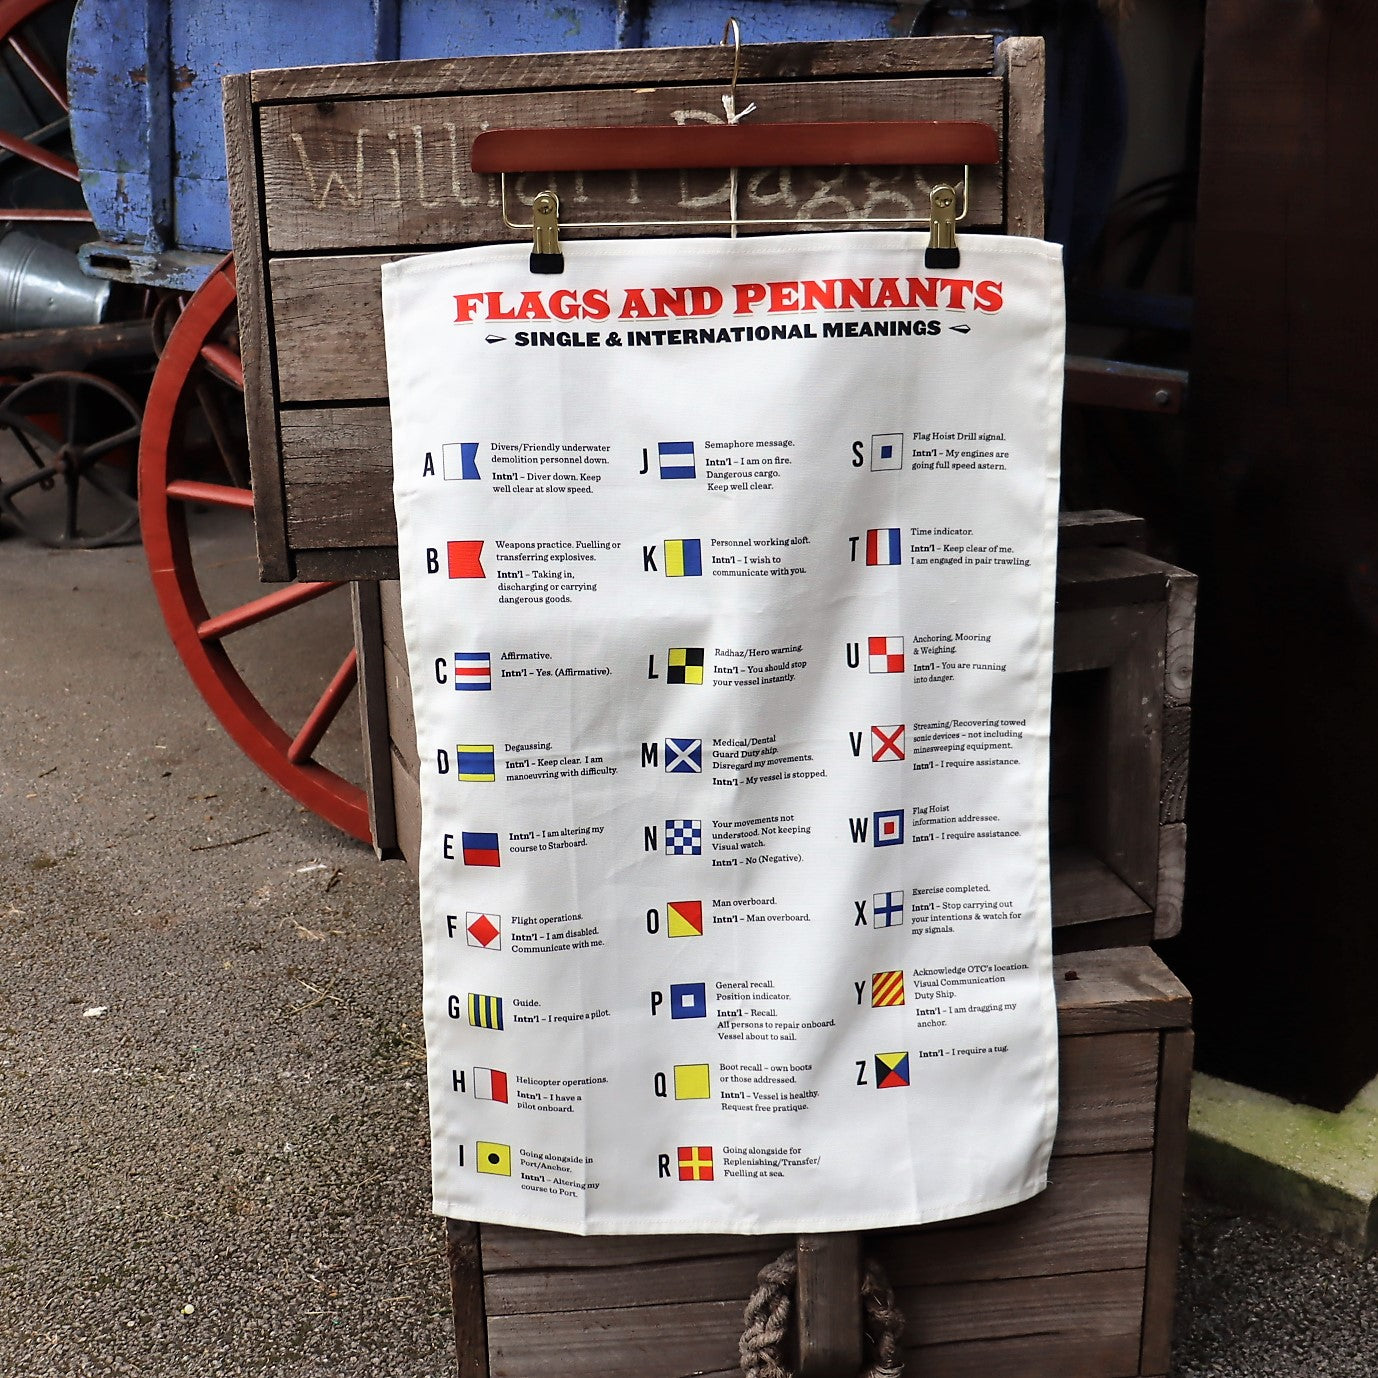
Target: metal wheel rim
[71,473]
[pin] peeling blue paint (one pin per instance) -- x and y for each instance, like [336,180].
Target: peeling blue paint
[144,76]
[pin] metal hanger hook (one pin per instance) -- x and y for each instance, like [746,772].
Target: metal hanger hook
[733,29]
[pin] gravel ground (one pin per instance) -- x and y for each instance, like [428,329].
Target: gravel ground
[213,1155]
[1256,1300]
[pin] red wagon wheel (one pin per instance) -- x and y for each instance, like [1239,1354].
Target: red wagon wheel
[196,393]
[33,35]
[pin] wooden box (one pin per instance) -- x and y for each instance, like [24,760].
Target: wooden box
[1077,1283]
[1121,708]
[335,171]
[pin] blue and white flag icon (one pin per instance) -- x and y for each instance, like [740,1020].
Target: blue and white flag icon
[684,755]
[460,460]
[677,459]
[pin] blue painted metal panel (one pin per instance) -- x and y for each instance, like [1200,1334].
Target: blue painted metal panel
[442,28]
[121,127]
[674,23]
[209,39]
[145,76]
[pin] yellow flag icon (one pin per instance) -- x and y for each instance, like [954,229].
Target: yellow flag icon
[692,1082]
[494,1158]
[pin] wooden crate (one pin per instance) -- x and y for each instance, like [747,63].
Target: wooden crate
[1076,1283]
[337,170]
[1121,710]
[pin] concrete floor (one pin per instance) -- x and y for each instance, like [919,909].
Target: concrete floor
[213,1153]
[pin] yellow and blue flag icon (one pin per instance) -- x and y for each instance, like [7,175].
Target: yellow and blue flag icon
[683,558]
[474,761]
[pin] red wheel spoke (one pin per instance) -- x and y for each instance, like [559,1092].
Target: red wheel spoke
[31,152]
[325,712]
[212,494]
[260,609]
[224,361]
[38,65]
[199,348]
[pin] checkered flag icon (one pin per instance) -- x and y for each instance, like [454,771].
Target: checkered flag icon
[684,837]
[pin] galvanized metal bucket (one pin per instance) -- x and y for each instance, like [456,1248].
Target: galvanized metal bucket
[42,286]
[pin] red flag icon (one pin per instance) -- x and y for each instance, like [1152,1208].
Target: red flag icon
[464,559]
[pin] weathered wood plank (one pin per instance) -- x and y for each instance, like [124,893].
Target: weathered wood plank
[1165,1216]
[506,1249]
[401,711]
[1172,799]
[367,562]
[828,1311]
[1130,932]
[406,803]
[1022,62]
[619,1341]
[1084,1326]
[328,327]
[1099,576]
[337,471]
[1106,1093]
[1080,1326]
[1181,635]
[462,1252]
[1172,880]
[1125,783]
[1086,890]
[373,711]
[255,343]
[1119,988]
[723,1277]
[1100,526]
[395,173]
[1093,1217]
[643,66]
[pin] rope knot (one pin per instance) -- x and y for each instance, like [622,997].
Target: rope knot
[767,1318]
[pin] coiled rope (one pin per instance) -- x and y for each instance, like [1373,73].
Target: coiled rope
[768,1322]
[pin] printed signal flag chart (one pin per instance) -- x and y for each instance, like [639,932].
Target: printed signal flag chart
[727,582]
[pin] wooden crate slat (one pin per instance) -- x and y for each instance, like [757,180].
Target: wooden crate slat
[337,469]
[400,711]
[1023,64]
[1107,1092]
[1083,1326]
[726,1277]
[1086,890]
[1118,989]
[328,327]
[1165,1214]
[712,65]
[395,173]
[256,344]
[1092,1218]
[1056,1307]
[619,1341]
[506,1248]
